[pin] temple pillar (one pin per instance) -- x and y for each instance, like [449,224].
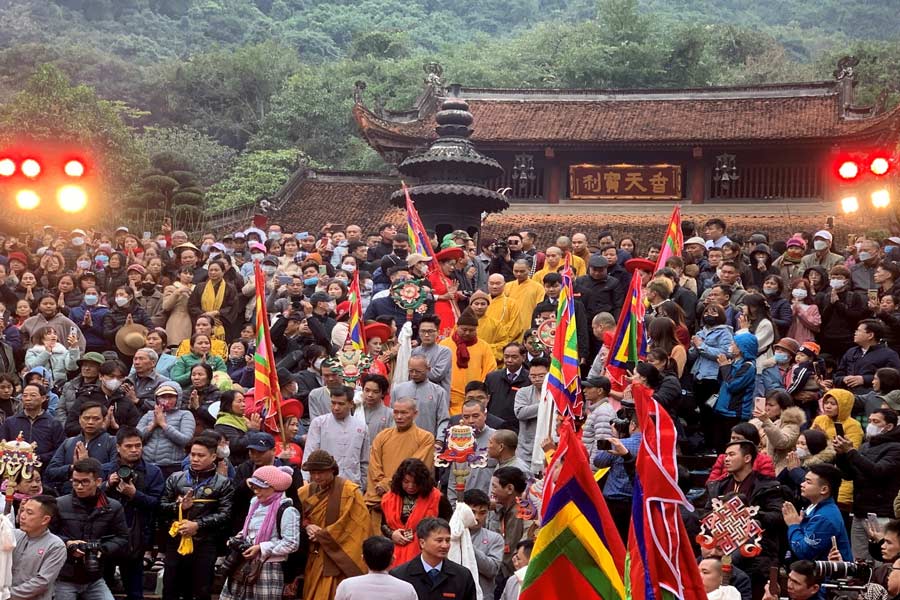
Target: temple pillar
[696,177]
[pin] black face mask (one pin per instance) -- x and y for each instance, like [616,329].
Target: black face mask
[401,253]
[148,288]
[710,320]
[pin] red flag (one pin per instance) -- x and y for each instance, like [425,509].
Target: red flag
[266,389]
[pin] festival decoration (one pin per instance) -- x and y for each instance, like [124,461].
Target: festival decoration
[266,386]
[460,454]
[350,364]
[731,526]
[18,461]
[564,378]
[410,295]
[546,332]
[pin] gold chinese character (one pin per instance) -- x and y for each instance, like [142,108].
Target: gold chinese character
[634,180]
[612,179]
[658,182]
[591,183]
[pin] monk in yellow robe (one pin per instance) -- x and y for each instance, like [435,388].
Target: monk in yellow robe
[472,359]
[504,309]
[336,521]
[492,330]
[553,263]
[524,292]
[390,448]
[579,267]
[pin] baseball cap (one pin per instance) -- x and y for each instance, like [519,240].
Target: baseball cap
[824,234]
[165,388]
[260,441]
[695,240]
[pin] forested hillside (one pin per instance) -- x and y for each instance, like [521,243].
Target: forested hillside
[244,86]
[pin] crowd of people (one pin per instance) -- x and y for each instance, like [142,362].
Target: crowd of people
[129,363]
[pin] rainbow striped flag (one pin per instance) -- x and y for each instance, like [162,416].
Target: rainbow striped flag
[660,561]
[673,241]
[563,379]
[629,340]
[356,334]
[578,553]
[266,389]
[419,243]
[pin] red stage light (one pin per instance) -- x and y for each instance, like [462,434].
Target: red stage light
[7,167]
[880,165]
[848,170]
[74,168]
[31,168]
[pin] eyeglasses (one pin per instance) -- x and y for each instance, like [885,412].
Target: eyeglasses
[80,483]
[427,331]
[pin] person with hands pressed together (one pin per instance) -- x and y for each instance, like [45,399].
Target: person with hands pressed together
[138,485]
[166,429]
[872,468]
[201,352]
[810,532]
[197,503]
[46,351]
[92,442]
[88,516]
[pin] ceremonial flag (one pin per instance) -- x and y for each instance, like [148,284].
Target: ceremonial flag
[355,331]
[578,554]
[629,342]
[660,561]
[673,241]
[419,243]
[266,389]
[563,379]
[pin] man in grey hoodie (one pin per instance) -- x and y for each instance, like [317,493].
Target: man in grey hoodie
[39,555]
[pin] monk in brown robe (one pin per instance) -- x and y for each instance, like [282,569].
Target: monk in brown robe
[336,521]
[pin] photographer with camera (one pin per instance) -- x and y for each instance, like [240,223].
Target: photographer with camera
[616,453]
[504,253]
[803,583]
[138,485]
[270,533]
[92,525]
[197,507]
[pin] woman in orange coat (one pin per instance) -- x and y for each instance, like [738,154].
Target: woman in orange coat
[413,497]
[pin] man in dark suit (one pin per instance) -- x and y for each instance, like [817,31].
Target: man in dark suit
[503,384]
[433,576]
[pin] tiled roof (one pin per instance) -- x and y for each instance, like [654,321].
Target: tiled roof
[652,118]
[317,202]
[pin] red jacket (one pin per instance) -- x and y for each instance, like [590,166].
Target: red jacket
[762,465]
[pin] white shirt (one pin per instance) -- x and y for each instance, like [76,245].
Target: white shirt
[377,584]
[345,440]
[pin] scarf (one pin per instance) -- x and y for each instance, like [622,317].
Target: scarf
[212,300]
[392,507]
[232,421]
[462,350]
[268,525]
[462,550]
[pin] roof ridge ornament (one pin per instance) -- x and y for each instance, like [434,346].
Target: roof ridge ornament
[359,86]
[434,73]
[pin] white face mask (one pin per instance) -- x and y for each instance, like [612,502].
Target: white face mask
[837,283]
[223,452]
[112,384]
[798,294]
[318,363]
[83,264]
[269,270]
[121,301]
[820,245]
[872,430]
[349,268]
[257,256]
[801,453]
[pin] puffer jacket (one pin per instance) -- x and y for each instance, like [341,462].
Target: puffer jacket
[70,392]
[181,370]
[165,447]
[60,360]
[852,431]
[98,519]
[873,470]
[738,381]
[716,341]
[781,435]
[596,426]
[213,515]
[115,319]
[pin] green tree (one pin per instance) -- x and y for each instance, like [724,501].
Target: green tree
[168,188]
[206,157]
[51,109]
[255,174]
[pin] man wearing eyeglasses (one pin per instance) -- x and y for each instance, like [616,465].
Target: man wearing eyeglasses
[93,528]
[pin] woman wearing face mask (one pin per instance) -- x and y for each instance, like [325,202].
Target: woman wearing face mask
[788,264]
[69,294]
[166,429]
[89,317]
[82,263]
[713,340]
[805,317]
[310,272]
[779,306]
[124,311]
[309,375]
[755,319]
[842,309]
[146,293]
[216,298]
[175,305]
[760,266]
[812,449]
[115,274]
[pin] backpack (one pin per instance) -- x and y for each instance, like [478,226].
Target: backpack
[295,564]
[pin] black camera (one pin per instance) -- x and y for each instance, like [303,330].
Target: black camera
[237,545]
[844,570]
[621,427]
[91,558]
[126,474]
[500,247]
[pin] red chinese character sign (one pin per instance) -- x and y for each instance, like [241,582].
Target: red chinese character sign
[625,182]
